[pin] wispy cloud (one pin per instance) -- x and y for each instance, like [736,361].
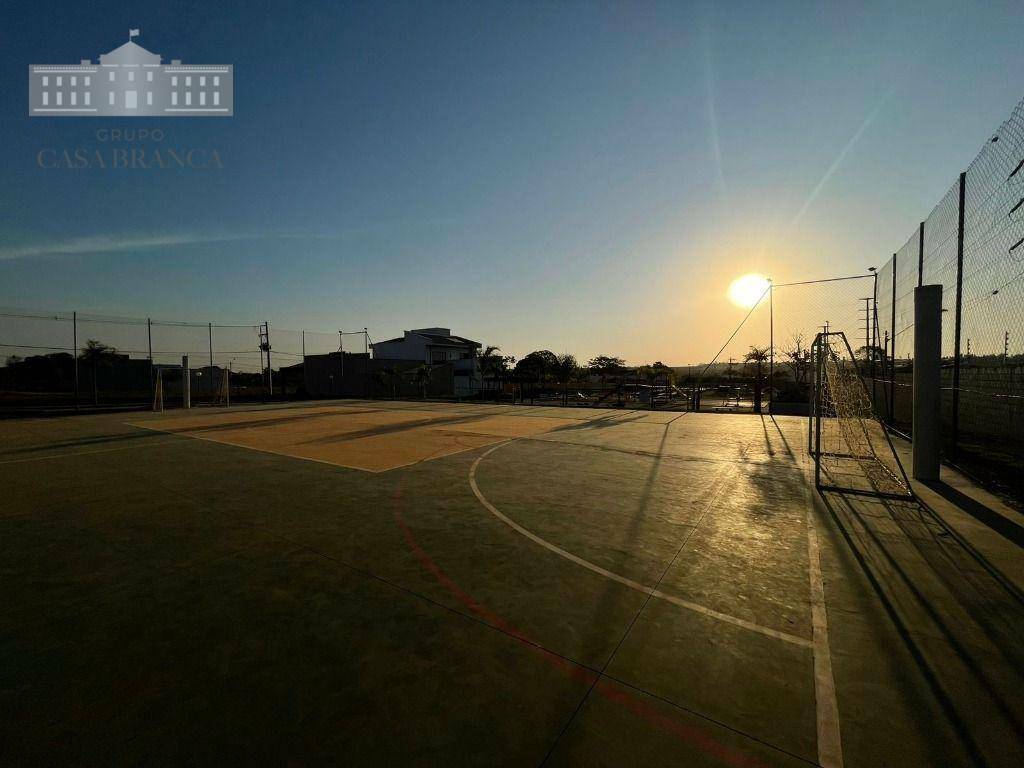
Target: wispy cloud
[842,156]
[135,242]
[711,108]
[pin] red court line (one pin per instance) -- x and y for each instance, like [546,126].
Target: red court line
[696,736]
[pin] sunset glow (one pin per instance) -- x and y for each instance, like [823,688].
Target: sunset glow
[747,290]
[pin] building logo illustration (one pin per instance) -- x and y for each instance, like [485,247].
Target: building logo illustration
[130,82]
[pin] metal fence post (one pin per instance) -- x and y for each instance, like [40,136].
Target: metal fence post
[186,383]
[927,414]
[771,346]
[920,255]
[955,436]
[149,341]
[874,341]
[74,351]
[892,357]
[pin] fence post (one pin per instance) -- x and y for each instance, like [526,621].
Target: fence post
[954,437]
[771,346]
[186,384]
[892,357]
[149,341]
[927,425]
[920,255]
[874,341]
[74,351]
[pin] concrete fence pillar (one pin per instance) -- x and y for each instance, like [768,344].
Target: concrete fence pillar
[186,383]
[927,446]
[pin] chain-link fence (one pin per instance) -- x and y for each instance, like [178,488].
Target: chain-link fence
[972,244]
[74,359]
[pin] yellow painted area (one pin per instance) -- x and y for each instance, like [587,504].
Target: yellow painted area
[357,437]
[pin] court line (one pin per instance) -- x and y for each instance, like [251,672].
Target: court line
[642,588]
[830,745]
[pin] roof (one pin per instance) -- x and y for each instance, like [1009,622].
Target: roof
[130,53]
[434,338]
[454,341]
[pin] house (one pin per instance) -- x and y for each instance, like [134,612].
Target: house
[436,346]
[130,82]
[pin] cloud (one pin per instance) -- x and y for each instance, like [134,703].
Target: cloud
[127,243]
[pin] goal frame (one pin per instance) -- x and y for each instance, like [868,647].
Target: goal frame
[814,426]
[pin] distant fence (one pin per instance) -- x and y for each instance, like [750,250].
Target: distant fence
[47,358]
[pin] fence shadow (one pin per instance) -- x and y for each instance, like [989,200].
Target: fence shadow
[902,564]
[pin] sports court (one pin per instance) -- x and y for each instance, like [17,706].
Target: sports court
[384,582]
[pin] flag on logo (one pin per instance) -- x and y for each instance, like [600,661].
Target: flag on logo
[133,33]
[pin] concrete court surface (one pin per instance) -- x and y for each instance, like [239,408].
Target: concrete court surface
[525,586]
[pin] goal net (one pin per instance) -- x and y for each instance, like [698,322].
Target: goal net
[852,450]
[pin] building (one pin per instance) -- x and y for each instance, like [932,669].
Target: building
[434,346]
[429,345]
[131,82]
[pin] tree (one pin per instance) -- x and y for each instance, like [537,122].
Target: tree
[390,374]
[13,360]
[422,378]
[538,366]
[98,354]
[607,366]
[758,356]
[487,360]
[798,359]
[565,368]
[494,366]
[660,370]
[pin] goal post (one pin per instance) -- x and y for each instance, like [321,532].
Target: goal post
[158,391]
[852,450]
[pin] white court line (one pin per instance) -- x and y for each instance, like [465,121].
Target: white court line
[643,589]
[830,746]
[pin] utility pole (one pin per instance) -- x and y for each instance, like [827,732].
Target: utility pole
[270,368]
[210,329]
[265,347]
[1006,346]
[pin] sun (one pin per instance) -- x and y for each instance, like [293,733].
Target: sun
[746,291]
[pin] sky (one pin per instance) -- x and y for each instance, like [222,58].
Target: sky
[581,177]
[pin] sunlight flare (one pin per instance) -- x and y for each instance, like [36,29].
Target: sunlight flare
[747,290]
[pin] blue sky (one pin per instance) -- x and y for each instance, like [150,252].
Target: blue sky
[584,177]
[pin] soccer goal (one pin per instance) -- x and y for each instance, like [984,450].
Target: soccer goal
[222,394]
[158,391]
[852,450]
